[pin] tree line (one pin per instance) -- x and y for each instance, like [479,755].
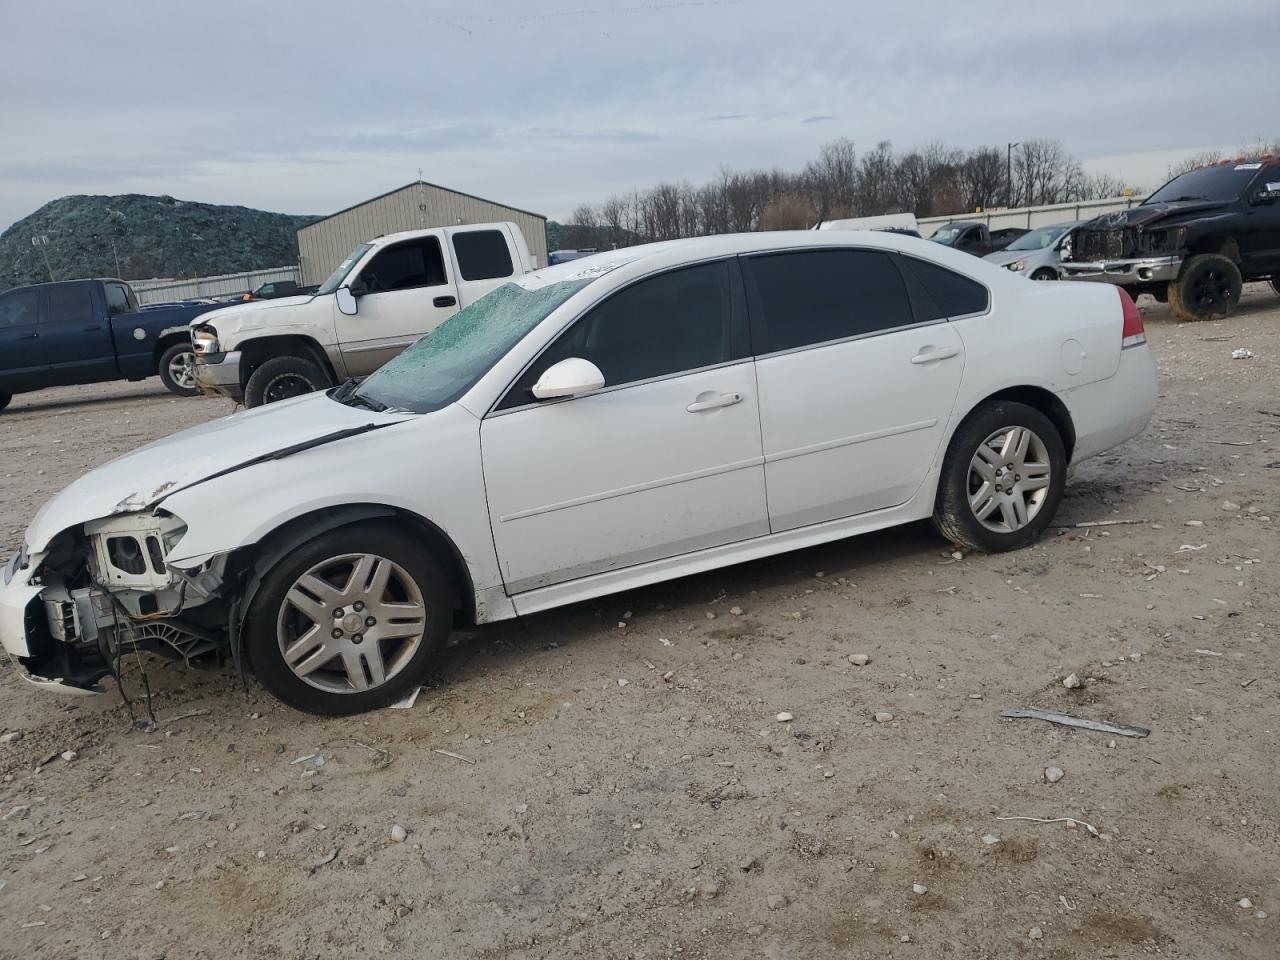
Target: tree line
[931,180]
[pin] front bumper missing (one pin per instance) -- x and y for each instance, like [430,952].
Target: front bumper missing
[1124,272]
[218,374]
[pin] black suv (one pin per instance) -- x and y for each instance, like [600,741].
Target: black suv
[1192,243]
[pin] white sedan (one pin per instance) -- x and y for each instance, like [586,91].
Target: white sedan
[593,427]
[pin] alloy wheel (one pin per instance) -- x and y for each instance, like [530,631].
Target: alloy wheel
[1211,289]
[1009,478]
[351,623]
[182,370]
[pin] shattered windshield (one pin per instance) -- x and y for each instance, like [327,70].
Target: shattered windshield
[1220,183]
[336,278]
[442,365]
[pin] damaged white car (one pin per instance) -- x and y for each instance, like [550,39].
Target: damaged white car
[593,427]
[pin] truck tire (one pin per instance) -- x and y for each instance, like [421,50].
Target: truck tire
[177,370]
[1208,287]
[1275,284]
[4,399]
[281,378]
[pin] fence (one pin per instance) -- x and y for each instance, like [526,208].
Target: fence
[1031,217]
[162,290]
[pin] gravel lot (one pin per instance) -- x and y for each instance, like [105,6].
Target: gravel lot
[672,814]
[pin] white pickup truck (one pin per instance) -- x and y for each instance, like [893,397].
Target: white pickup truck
[385,295]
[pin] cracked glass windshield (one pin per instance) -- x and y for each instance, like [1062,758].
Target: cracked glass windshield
[439,367]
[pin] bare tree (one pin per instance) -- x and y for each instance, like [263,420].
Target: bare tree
[831,181]
[982,178]
[1187,164]
[792,211]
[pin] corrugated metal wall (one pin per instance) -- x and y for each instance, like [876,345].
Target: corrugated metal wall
[159,291]
[324,245]
[1029,218]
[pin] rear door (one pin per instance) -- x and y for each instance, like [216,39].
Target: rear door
[75,334]
[22,363]
[409,291]
[855,388]
[483,261]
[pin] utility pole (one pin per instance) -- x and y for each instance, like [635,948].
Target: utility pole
[1008,189]
[40,243]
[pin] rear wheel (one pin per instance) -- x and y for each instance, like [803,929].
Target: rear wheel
[177,370]
[349,622]
[282,378]
[1208,287]
[1002,479]
[1275,284]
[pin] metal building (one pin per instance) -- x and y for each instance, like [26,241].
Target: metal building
[324,244]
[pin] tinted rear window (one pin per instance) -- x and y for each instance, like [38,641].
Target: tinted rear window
[952,295]
[71,304]
[482,255]
[822,295]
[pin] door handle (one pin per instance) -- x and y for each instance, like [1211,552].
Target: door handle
[445,302]
[91,329]
[933,354]
[29,336]
[712,403]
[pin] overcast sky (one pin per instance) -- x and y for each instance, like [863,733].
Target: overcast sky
[308,107]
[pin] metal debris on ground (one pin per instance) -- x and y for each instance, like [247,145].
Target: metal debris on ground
[1241,353]
[184,716]
[1072,821]
[329,857]
[455,756]
[1053,716]
[407,701]
[1107,523]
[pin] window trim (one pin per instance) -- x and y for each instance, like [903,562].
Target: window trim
[17,294]
[740,334]
[457,256]
[45,316]
[378,251]
[760,334]
[913,279]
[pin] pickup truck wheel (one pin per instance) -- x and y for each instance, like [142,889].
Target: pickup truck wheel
[1208,287]
[349,622]
[178,370]
[4,399]
[1002,479]
[1275,284]
[281,378]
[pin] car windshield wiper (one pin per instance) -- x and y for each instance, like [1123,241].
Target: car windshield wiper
[346,394]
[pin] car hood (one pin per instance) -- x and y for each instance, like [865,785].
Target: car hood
[1150,213]
[261,313]
[142,479]
[1003,257]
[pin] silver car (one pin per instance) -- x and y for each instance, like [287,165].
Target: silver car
[1034,254]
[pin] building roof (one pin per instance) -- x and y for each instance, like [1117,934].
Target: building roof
[425,183]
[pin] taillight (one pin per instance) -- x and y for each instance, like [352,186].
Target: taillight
[1132,333]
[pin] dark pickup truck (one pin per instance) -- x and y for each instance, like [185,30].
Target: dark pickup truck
[90,331]
[970,236]
[1192,243]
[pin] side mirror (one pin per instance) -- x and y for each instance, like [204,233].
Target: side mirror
[568,378]
[358,287]
[346,301]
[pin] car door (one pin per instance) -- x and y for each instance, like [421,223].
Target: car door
[664,460]
[1259,241]
[22,362]
[855,388]
[405,291]
[482,261]
[75,334]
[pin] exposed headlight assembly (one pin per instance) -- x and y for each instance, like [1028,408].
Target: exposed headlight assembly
[129,550]
[204,339]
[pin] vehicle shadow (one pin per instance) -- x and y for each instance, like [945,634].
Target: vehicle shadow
[44,401]
[685,599]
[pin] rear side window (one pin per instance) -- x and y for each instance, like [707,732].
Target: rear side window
[950,294]
[18,309]
[70,304]
[417,263]
[117,299]
[483,255]
[817,296]
[669,324]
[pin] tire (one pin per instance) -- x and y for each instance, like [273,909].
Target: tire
[1133,292]
[5,399]
[1275,284]
[177,370]
[1045,273]
[340,675]
[1208,287]
[963,472]
[281,378]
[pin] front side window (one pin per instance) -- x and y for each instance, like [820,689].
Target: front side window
[417,263]
[483,255]
[439,367]
[664,325]
[19,309]
[117,298]
[344,268]
[816,296]
[69,304]
[950,294]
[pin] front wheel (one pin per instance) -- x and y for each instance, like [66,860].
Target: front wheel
[282,378]
[1208,287]
[1002,479]
[4,399]
[1045,273]
[349,622]
[1275,284]
[177,370]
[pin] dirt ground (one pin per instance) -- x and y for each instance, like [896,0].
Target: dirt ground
[627,791]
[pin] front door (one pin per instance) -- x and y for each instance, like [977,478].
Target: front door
[855,392]
[665,460]
[407,291]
